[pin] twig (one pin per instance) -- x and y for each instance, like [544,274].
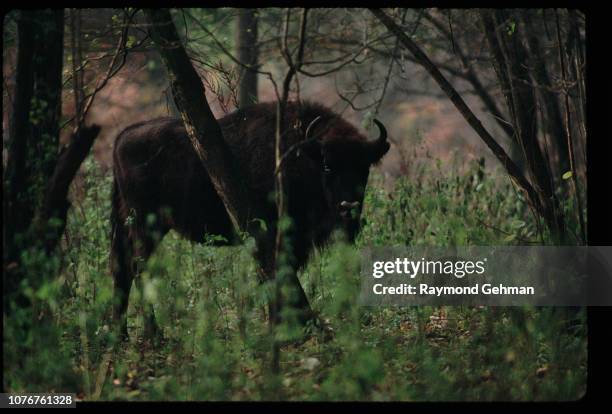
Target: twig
[297,146]
[110,72]
[253,68]
[388,76]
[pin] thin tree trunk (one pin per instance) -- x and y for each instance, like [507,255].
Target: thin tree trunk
[548,99]
[202,127]
[577,72]
[286,286]
[568,132]
[247,53]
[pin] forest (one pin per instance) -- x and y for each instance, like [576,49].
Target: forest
[460,126]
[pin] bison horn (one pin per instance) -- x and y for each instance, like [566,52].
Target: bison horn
[311,125]
[380,146]
[383,132]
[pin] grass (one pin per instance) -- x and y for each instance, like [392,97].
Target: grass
[217,341]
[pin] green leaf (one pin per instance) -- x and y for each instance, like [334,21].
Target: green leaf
[131,40]
[262,223]
[567,175]
[509,238]
[511,28]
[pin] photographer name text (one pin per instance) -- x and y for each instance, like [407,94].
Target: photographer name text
[476,289]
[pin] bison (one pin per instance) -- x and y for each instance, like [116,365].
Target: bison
[160,184]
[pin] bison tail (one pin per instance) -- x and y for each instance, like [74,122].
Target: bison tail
[117,230]
[114,217]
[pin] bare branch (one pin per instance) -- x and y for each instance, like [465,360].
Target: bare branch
[514,172]
[112,70]
[226,52]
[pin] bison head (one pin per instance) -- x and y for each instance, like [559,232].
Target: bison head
[344,158]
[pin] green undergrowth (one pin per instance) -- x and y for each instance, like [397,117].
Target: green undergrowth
[213,315]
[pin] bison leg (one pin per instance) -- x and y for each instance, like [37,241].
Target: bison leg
[122,276]
[295,302]
[144,243]
[151,329]
[130,252]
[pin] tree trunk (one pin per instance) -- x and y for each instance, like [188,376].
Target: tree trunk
[247,53]
[548,99]
[202,127]
[51,219]
[34,133]
[510,54]
[37,177]
[15,207]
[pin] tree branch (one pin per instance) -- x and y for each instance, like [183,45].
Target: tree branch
[56,204]
[460,104]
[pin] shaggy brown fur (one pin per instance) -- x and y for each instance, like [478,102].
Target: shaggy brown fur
[160,184]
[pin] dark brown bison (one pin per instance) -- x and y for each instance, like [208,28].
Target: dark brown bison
[160,184]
